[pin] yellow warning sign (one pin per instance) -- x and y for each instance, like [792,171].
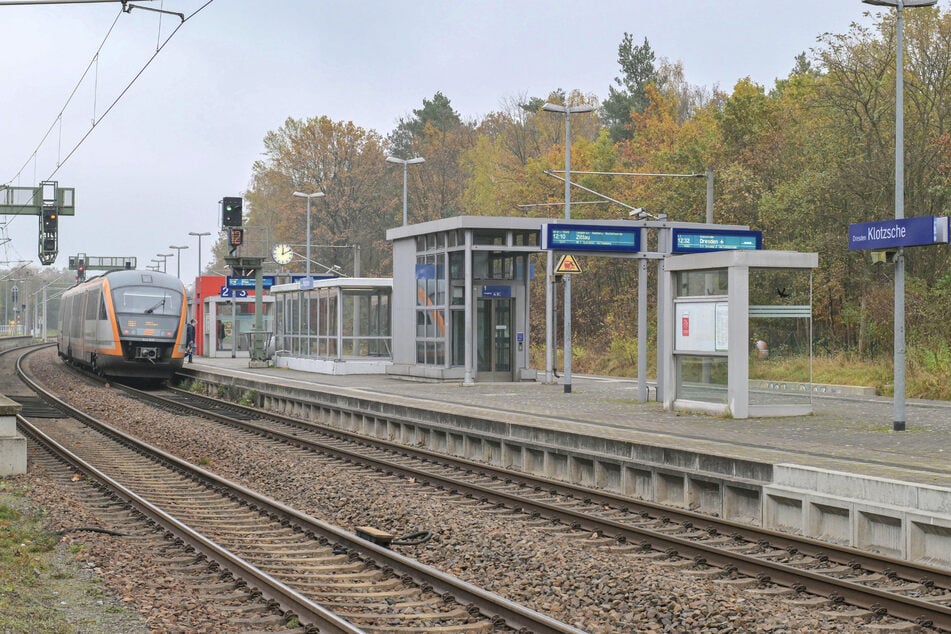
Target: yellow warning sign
[567,264]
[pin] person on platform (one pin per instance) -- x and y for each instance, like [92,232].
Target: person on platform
[190,339]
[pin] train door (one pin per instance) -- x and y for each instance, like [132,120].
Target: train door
[494,350]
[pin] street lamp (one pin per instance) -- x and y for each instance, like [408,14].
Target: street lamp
[199,236]
[165,257]
[567,111]
[178,265]
[308,197]
[898,418]
[405,163]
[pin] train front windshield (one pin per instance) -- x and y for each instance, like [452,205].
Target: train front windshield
[147,300]
[147,312]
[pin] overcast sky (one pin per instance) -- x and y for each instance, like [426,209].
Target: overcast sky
[189,129]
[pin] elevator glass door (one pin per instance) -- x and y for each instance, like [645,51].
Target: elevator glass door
[494,339]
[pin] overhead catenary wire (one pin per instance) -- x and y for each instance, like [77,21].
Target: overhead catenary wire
[693,175]
[94,61]
[58,119]
[59,116]
[129,85]
[126,8]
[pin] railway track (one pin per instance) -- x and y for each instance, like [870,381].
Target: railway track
[327,579]
[819,574]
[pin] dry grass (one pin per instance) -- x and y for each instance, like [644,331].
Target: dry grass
[928,369]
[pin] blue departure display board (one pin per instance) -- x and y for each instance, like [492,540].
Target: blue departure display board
[267,281]
[703,240]
[576,237]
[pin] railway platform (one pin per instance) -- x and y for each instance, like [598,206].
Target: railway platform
[841,474]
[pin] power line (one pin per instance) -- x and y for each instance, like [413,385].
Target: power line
[696,175]
[96,120]
[127,8]
[129,85]
[59,117]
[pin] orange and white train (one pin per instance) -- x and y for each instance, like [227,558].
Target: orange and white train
[125,324]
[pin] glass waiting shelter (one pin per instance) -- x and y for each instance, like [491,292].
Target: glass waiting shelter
[461,298]
[730,320]
[337,326]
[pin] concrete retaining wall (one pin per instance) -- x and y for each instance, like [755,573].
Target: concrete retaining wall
[12,444]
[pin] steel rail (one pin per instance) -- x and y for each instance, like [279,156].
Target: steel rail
[805,545]
[867,597]
[292,602]
[499,608]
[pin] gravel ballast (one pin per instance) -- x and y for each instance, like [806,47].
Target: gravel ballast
[577,579]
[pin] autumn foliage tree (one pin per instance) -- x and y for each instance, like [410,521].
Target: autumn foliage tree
[343,161]
[799,161]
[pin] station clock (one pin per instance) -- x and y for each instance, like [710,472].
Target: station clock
[282,253]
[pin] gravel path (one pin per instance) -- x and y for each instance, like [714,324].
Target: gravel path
[573,578]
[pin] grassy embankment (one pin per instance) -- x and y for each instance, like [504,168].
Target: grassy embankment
[928,370]
[26,550]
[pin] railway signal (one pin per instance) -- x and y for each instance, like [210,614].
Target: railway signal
[48,202]
[82,263]
[49,235]
[50,219]
[231,211]
[235,238]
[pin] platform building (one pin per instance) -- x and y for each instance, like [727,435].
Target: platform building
[458,308]
[461,298]
[224,318]
[333,326]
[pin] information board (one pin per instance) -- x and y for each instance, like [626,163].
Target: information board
[267,281]
[565,236]
[704,240]
[701,327]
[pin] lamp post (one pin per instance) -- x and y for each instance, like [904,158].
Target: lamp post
[178,265]
[165,257]
[405,163]
[898,418]
[567,111]
[13,297]
[308,197]
[199,236]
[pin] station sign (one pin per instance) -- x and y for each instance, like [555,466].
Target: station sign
[565,236]
[496,291]
[898,232]
[704,240]
[227,293]
[267,281]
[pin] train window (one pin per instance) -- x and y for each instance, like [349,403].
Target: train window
[92,304]
[147,300]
